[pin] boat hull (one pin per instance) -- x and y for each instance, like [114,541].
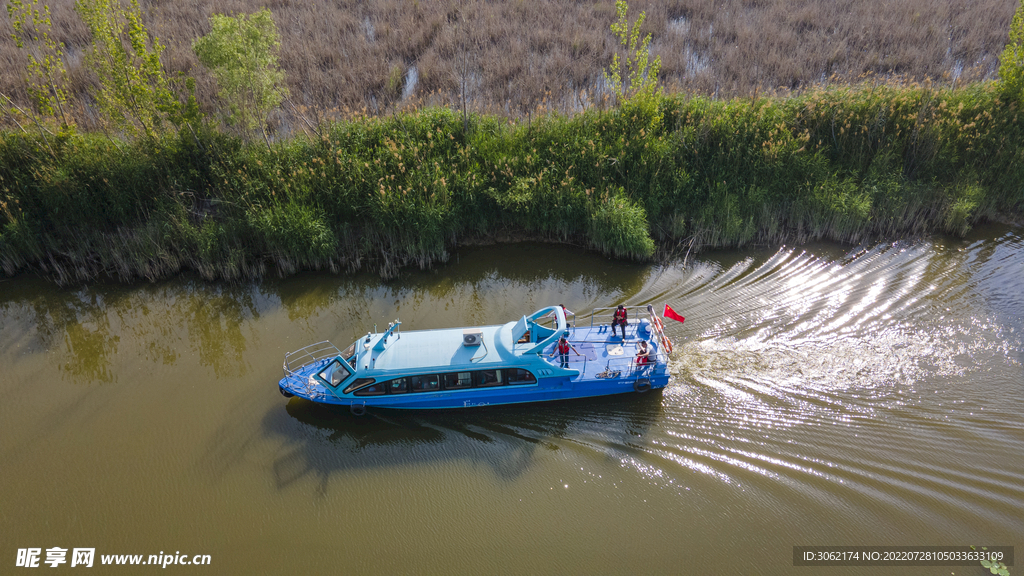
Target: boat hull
[543,392]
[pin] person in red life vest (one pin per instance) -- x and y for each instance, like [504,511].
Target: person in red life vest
[643,355]
[563,348]
[619,319]
[565,310]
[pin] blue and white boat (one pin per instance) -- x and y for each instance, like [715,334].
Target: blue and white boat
[509,363]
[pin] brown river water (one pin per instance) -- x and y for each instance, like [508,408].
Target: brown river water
[821,395]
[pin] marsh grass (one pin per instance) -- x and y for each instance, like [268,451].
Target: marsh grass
[520,59]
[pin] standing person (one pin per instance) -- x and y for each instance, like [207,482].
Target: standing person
[563,348]
[619,319]
[565,311]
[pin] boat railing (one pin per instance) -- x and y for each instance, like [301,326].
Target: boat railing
[626,365]
[657,363]
[610,311]
[309,354]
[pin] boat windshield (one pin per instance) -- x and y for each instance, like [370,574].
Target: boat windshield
[335,373]
[350,354]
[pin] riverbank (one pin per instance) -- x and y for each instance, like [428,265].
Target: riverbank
[845,164]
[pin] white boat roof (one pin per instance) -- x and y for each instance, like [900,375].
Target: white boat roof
[440,349]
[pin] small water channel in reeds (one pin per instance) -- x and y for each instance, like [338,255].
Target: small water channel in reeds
[821,394]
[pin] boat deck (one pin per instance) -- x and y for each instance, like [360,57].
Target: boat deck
[602,355]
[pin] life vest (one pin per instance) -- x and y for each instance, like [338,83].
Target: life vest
[644,359]
[563,347]
[620,315]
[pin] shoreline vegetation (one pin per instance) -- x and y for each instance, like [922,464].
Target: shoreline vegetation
[843,164]
[653,174]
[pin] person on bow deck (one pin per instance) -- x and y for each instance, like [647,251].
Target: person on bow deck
[619,319]
[563,348]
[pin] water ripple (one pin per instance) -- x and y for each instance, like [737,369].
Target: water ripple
[901,362]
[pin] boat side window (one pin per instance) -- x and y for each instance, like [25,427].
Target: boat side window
[425,383]
[375,389]
[520,376]
[357,384]
[457,380]
[489,378]
[398,386]
[335,373]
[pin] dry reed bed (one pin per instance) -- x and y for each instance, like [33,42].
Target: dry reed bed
[518,58]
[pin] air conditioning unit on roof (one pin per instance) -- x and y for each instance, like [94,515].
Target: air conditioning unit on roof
[472,337]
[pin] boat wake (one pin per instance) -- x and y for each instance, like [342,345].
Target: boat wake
[842,374]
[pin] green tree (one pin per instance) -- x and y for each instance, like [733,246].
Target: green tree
[46,74]
[135,94]
[1011,63]
[641,75]
[241,52]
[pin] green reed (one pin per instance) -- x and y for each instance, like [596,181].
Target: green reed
[845,163]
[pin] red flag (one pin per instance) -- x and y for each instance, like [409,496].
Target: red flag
[670,313]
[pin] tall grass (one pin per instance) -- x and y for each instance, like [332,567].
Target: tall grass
[520,56]
[845,163]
